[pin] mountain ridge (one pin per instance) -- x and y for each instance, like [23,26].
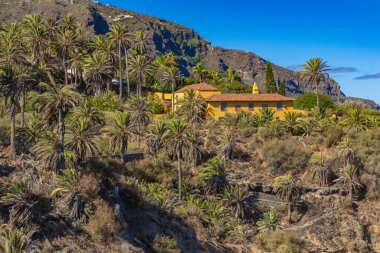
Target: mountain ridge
[165,36]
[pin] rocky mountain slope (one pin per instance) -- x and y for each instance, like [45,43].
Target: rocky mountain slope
[165,36]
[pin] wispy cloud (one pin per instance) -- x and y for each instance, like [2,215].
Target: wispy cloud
[332,71]
[343,70]
[366,77]
[295,67]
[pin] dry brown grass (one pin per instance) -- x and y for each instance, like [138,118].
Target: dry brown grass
[102,225]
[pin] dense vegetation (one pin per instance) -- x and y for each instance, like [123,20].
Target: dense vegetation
[84,163]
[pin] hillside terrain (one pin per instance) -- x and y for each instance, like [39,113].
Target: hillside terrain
[164,37]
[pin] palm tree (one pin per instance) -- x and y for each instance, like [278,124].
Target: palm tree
[11,80]
[140,69]
[88,112]
[356,120]
[36,36]
[12,241]
[292,121]
[348,178]
[70,197]
[268,221]
[200,72]
[314,71]
[178,143]
[172,75]
[192,107]
[120,130]
[213,177]
[139,42]
[101,44]
[48,150]
[32,131]
[216,78]
[286,188]
[119,35]
[154,136]
[141,113]
[66,40]
[12,50]
[19,196]
[54,101]
[81,138]
[345,150]
[319,171]
[97,70]
[235,197]
[228,144]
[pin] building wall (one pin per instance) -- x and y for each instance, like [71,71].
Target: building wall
[214,108]
[204,94]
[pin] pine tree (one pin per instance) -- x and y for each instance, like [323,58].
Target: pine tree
[271,86]
[281,89]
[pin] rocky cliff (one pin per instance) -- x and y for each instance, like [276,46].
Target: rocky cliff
[165,36]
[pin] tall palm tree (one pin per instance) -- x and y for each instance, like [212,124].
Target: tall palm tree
[348,178]
[172,75]
[141,113]
[12,50]
[97,70]
[314,71]
[139,42]
[81,138]
[200,72]
[11,80]
[54,101]
[286,188]
[119,35]
[36,36]
[101,44]
[192,107]
[140,69]
[66,40]
[178,142]
[154,136]
[120,130]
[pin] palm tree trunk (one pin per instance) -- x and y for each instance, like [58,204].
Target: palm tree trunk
[66,70]
[179,175]
[317,94]
[127,71]
[61,138]
[289,212]
[173,85]
[122,151]
[22,106]
[13,129]
[120,75]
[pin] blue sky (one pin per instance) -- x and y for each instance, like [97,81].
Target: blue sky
[287,32]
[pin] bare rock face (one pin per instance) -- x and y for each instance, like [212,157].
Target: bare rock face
[165,36]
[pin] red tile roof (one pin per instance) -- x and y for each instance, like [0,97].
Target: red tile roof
[248,97]
[198,86]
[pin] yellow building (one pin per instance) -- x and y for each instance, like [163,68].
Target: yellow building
[219,104]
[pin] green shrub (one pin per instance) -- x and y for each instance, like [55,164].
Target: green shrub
[281,242]
[333,135]
[309,101]
[282,156]
[157,107]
